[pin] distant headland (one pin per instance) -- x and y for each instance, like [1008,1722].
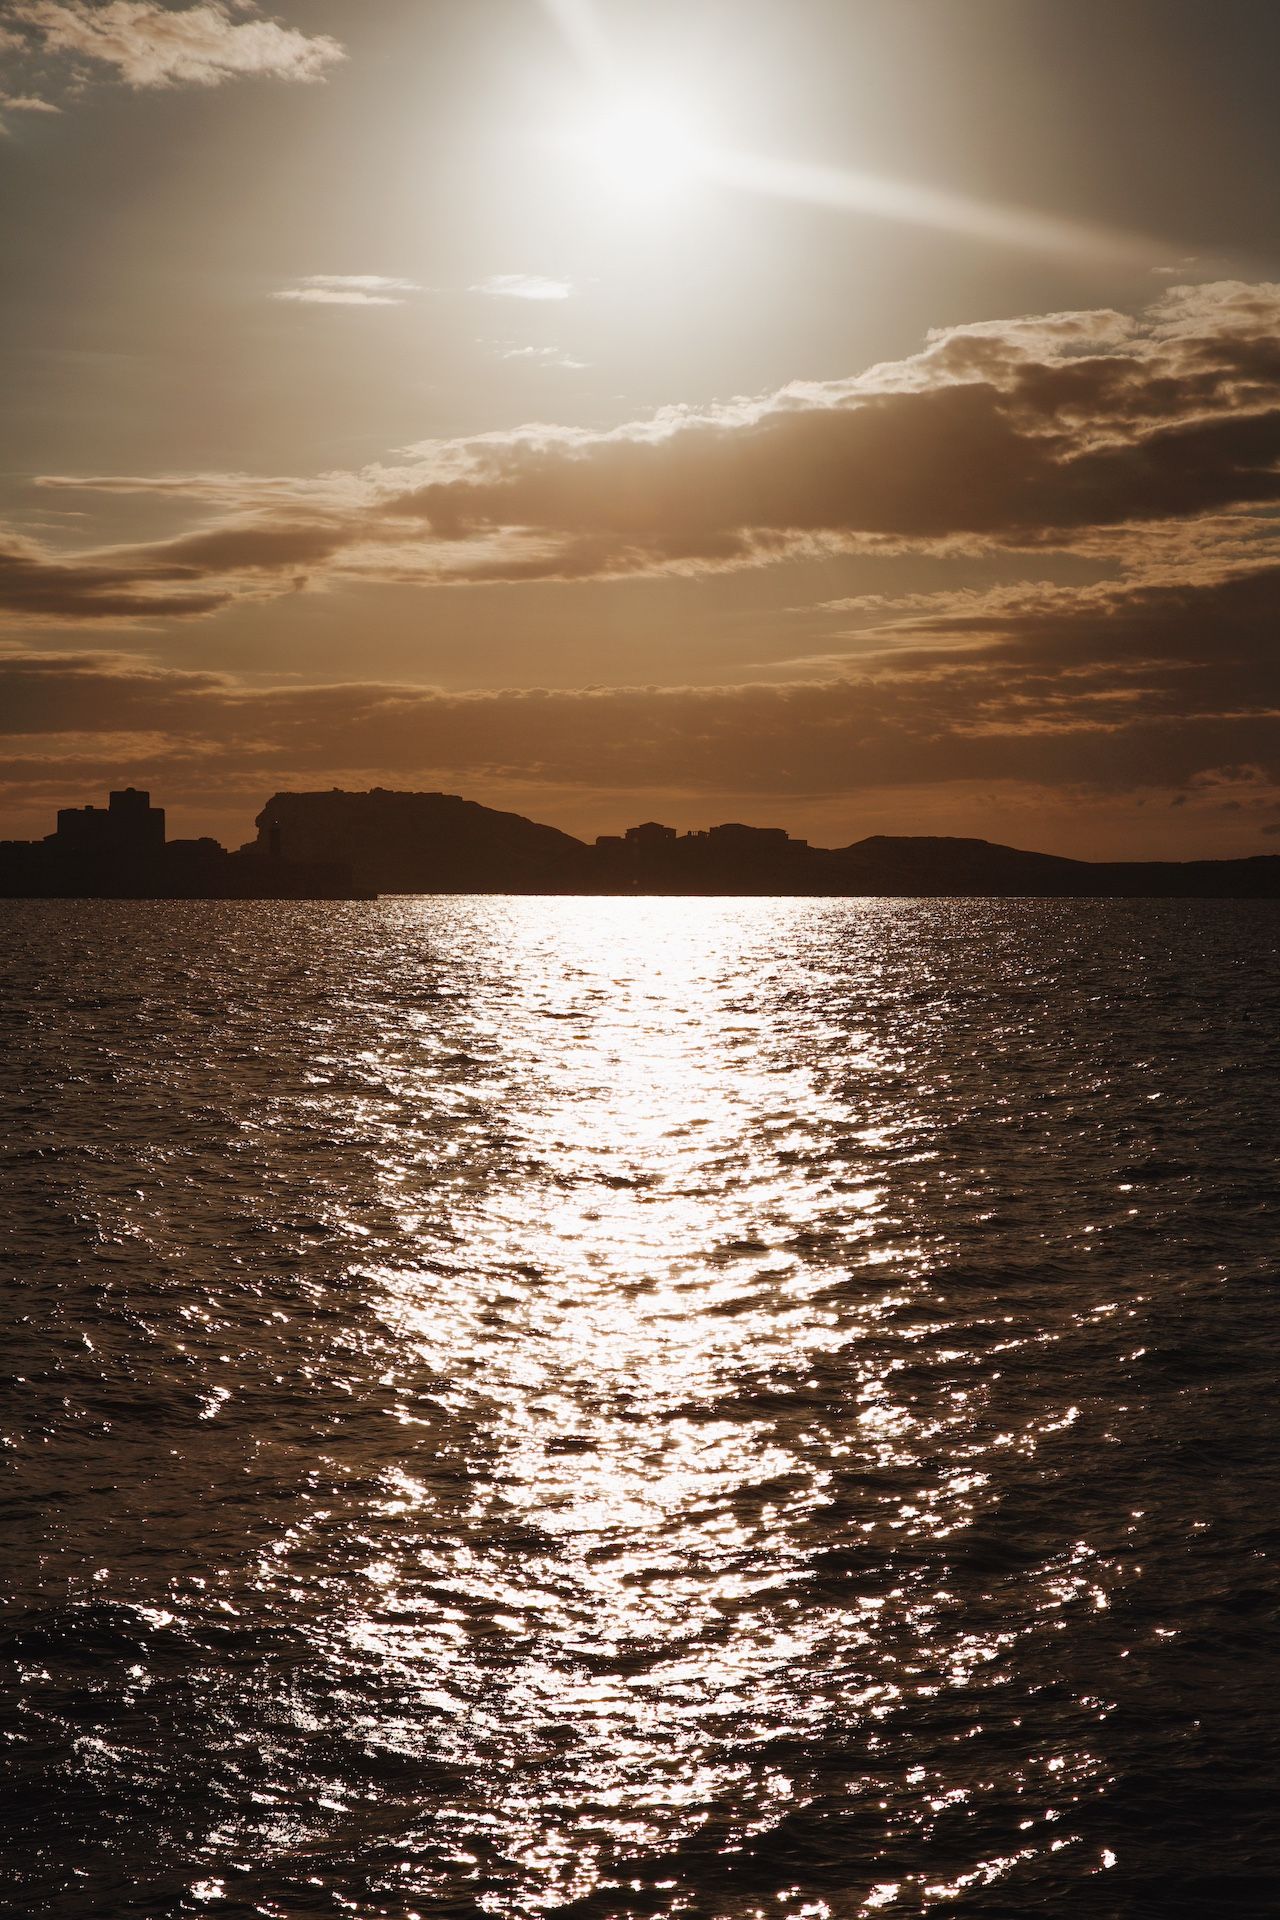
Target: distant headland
[342,846]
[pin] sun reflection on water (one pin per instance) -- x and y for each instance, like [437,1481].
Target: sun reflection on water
[650,1280]
[642,1429]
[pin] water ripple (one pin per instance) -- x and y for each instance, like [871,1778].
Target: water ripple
[641,1408]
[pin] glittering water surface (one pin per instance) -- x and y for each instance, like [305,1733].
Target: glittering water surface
[645,1407]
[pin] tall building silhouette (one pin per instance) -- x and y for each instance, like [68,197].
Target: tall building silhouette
[128,828]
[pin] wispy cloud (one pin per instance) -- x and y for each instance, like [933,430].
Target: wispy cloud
[348,290]
[1181,269]
[334,297]
[361,282]
[523,286]
[27,103]
[149,45]
[545,356]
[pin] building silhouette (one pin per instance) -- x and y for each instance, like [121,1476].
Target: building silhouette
[119,852]
[127,828]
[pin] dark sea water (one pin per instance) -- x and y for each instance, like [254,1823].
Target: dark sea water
[614,1408]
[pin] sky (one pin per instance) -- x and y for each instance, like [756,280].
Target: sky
[861,416]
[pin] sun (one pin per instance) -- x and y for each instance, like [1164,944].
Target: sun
[642,147]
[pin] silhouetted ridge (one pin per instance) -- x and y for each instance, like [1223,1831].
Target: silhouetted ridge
[440,843]
[338,845]
[423,842]
[951,846]
[938,865]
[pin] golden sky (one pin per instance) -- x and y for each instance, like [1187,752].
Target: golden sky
[855,415]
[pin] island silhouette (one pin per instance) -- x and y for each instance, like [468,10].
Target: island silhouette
[338,845]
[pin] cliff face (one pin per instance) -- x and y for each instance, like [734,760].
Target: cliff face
[423,842]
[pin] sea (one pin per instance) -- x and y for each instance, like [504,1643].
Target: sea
[750,1409]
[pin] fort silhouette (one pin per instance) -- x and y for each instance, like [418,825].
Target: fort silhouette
[336,845]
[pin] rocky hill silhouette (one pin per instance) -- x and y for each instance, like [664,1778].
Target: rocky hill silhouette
[423,843]
[394,842]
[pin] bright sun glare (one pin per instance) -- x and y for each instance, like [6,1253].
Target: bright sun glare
[642,147]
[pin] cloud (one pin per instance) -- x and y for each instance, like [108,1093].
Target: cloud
[37,586]
[361,282]
[788,741]
[183,578]
[1047,431]
[149,45]
[1179,269]
[334,297]
[523,286]
[1148,444]
[348,290]
[1224,621]
[27,103]
[545,356]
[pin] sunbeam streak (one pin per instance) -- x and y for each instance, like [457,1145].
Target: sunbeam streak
[847,190]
